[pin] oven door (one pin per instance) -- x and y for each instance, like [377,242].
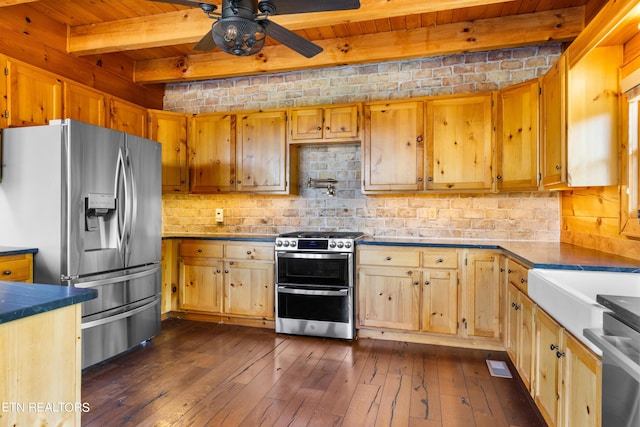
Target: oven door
[314,269]
[315,310]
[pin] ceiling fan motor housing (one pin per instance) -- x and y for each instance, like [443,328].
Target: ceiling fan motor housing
[237,32]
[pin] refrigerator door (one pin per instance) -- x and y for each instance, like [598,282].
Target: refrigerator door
[142,240]
[98,199]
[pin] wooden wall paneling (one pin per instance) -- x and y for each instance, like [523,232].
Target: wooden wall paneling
[32,37]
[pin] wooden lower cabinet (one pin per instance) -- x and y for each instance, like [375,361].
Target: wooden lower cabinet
[231,279]
[16,268]
[567,377]
[249,288]
[389,298]
[519,332]
[436,295]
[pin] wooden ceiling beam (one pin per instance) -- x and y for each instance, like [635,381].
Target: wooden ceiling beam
[4,3]
[488,34]
[188,26]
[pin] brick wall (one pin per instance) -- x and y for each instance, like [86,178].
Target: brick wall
[530,216]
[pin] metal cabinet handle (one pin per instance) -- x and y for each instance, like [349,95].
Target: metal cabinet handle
[218,270]
[199,251]
[523,281]
[426,282]
[248,252]
[226,271]
[7,272]
[554,347]
[509,271]
[559,355]
[558,167]
[416,283]
[499,177]
[439,260]
[320,128]
[388,258]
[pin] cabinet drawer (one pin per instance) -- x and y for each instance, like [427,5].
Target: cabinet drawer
[440,259]
[518,275]
[200,248]
[248,252]
[16,268]
[389,257]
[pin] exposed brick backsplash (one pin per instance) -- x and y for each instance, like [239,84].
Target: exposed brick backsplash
[518,216]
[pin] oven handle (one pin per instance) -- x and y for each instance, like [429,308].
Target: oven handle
[619,358]
[313,255]
[324,293]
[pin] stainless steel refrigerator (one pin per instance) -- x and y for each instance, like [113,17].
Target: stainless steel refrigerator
[89,198]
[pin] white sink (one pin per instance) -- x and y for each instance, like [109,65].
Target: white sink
[569,296]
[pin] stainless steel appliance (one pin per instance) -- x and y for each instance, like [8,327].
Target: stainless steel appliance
[89,199]
[619,340]
[315,277]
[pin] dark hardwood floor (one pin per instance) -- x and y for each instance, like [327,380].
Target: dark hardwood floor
[207,374]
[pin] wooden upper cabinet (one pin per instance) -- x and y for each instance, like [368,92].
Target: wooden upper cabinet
[34,96]
[212,153]
[629,176]
[84,104]
[580,121]
[337,123]
[261,152]
[127,117]
[553,123]
[460,142]
[393,149]
[517,134]
[593,118]
[170,129]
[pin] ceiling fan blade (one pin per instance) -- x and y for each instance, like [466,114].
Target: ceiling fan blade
[284,7]
[192,3]
[290,39]
[206,42]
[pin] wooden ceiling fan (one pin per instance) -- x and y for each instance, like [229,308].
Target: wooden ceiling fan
[243,25]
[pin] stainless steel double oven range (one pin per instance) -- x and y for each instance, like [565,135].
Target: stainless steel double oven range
[315,283]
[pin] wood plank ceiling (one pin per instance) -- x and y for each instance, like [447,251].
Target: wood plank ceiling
[155,40]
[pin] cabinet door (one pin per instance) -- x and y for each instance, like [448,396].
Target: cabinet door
[459,143]
[306,123]
[630,178]
[127,117]
[35,96]
[517,145]
[512,323]
[593,118]
[549,345]
[389,298]
[249,288]
[341,122]
[170,129]
[440,301]
[553,121]
[582,385]
[525,346]
[84,104]
[200,285]
[212,158]
[482,311]
[261,156]
[393,149]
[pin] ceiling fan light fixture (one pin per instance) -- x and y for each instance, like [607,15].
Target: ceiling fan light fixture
[238,36]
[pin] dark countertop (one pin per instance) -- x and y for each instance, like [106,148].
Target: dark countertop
[10,250]
[20,300]
[534,254]
[625,308]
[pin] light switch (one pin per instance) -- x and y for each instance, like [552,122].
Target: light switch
[219,215]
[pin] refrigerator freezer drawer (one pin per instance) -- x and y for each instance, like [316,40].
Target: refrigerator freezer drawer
[109,336]
[121,289]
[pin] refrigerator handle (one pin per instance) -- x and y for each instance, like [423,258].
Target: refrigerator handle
[131,203]
[121,192]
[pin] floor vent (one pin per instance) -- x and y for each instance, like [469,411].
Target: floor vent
[498,368]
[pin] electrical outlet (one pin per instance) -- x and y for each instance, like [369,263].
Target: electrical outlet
[433,213]
[219,215]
